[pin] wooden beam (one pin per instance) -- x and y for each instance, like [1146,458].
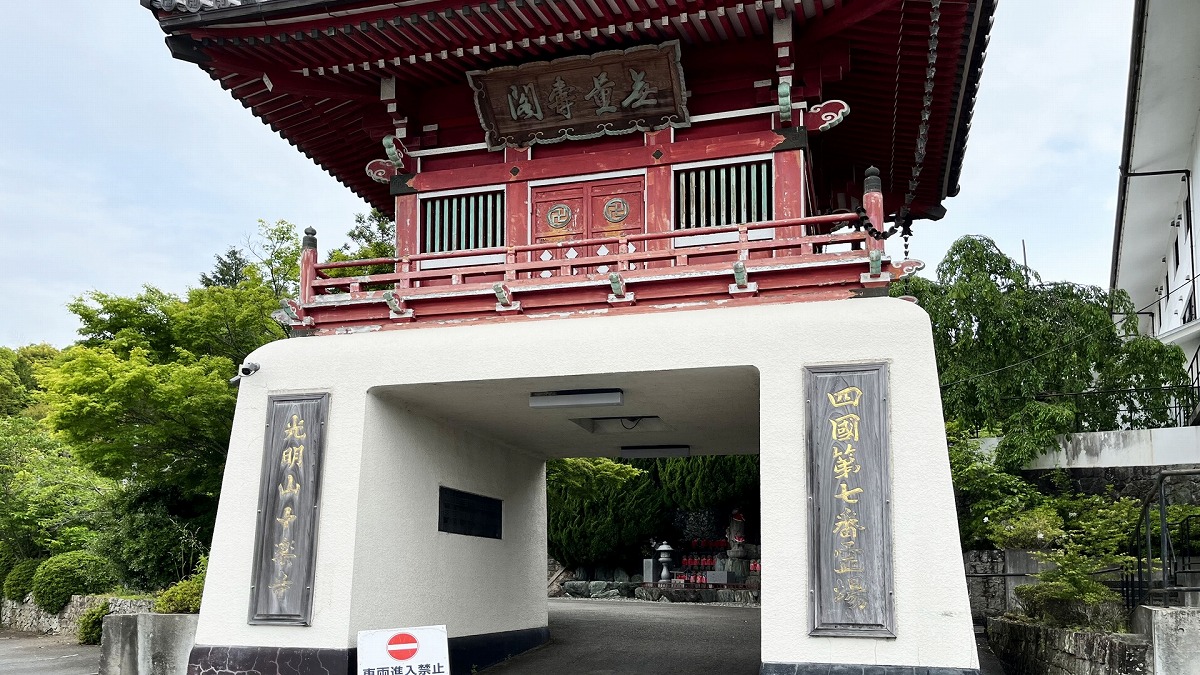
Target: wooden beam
[837,21]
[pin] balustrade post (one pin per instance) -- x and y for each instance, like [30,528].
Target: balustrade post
[873,205]
[308,266]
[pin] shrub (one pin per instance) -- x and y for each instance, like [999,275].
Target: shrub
[67,574]
[19,581]
[8,558]
[1059,604]
[1036,529]
[91,624]
[184,597]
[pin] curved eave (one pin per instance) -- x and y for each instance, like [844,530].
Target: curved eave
[423,45]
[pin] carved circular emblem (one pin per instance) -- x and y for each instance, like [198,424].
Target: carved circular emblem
[559,216]
[616,210]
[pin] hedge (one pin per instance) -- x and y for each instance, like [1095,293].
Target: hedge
[67,574]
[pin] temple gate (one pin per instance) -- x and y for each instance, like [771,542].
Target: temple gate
[635,209]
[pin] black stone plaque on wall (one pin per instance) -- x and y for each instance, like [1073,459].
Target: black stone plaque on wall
[286,541]
[850,555]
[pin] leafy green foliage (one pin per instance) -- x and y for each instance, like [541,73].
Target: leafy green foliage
[67,574]
[19,582]
[373,236]
[1004,339]
[277,252]
[601,512]
[18,376]
[155,535]
[984,492]
[231,270]
[91,624]
[48,500]
[184,597]
[8,558]
[144,399]
[1035,529]
[1059,604]
[129,417]
[694,483]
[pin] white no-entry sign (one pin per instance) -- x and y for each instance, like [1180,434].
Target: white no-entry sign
[404,651]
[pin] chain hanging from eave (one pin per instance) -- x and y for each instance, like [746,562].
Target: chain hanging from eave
[903,219]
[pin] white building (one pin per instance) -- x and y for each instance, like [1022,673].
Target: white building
[1154,246]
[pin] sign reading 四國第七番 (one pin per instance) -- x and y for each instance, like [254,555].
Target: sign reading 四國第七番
[850,495]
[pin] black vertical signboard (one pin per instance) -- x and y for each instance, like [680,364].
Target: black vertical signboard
[286,542]
[850,554]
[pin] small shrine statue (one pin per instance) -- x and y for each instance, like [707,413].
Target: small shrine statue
[735,534]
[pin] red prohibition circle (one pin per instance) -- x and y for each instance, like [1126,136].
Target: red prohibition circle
[402,646]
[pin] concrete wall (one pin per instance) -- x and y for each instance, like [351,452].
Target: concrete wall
[1146,447]
[1174,633]
[933,617]
[472,584]
[147,644]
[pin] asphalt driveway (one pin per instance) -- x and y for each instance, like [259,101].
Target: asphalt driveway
[32,654]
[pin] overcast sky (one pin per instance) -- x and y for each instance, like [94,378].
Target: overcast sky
[120,166]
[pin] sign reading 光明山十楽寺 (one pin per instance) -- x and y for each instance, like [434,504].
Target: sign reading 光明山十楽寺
[581,97]
[850,495]
[424,650]
[285,543]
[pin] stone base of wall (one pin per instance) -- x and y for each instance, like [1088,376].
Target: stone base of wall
[26,616]
[1122,481]
[658,594]
[147,644]
[1027,649]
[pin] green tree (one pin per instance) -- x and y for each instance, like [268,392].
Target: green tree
[49,502]
[276,250]
[132,418]
[232,269]
[1032,359]
[373,236]
[601,512]
[13,394]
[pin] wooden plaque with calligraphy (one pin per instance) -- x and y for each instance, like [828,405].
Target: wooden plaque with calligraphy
[849,501]
[286,541]
[581,97]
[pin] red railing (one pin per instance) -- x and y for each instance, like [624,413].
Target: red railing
[526,261]
[788,264]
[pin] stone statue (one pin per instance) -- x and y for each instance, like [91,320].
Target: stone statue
[735,534]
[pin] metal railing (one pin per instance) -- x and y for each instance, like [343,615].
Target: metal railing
[1140,586]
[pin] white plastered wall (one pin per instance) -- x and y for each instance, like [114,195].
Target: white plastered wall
[933,622]
[406,572]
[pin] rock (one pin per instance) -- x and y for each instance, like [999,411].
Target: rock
[647,593]
[664,599]
[576,589]
[620,576]
[626,589]
[613,593]
[596,587]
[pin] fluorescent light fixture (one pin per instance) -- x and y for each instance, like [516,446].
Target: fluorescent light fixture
[651,451]
[622,425]
[576,398]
